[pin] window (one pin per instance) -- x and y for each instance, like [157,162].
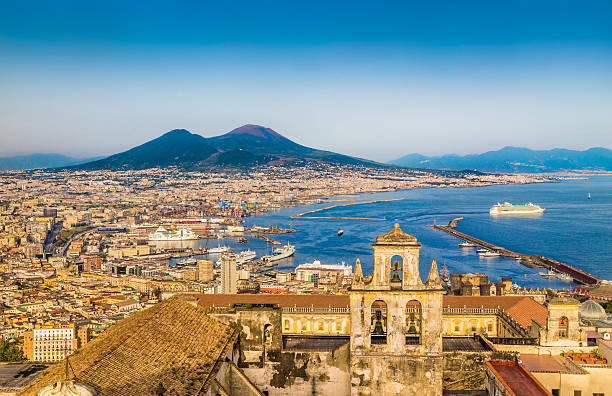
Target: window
[556,392]
[563,327]
[489,327]
[598,394]
[378,323]
[287,325]
[413,322]
[577,393]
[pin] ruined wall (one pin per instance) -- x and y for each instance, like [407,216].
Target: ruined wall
[304,373]
[396,375]
[270,368]
[467,370]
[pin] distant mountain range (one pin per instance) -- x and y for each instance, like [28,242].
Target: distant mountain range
[515,160]
[247,145]
[39,160]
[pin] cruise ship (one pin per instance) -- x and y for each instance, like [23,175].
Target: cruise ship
[508,209]
[280,253]
[164,233]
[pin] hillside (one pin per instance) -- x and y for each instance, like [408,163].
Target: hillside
[38,160]
[516,160]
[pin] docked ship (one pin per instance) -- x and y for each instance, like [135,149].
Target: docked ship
[164,233]
[218,250]
[242,257]
[280,253]
[245,256]
[508,209]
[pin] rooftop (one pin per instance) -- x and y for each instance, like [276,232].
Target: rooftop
[517,379]
[396,237]
[522,308]
[173,345]
[549,364]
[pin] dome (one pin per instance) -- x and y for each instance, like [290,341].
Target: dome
[396,237]
[590,310]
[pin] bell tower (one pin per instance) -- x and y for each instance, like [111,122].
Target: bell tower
[396,322]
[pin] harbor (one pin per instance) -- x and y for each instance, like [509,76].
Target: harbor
[307,215]
[577,275]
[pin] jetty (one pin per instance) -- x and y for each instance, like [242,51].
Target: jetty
[578,275]
[307,215]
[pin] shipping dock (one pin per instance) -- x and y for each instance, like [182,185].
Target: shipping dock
[577,275]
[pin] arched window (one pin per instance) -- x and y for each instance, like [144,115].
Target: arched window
[563,327]
[378,325]
[413,322]
[287,325]
[396,269]
[267,334]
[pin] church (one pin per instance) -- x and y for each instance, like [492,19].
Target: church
[393,334]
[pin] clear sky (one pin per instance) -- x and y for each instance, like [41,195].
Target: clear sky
[375,79]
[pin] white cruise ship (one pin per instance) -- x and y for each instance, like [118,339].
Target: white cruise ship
[164,233]
[508,209]
[280,253]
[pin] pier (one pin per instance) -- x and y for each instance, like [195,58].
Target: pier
[306,215]
[577,275]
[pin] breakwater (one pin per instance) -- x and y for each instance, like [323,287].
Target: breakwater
[307,215]
[577,275]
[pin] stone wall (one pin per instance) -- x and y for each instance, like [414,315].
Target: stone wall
[396,375]
[278,372]
[466,370]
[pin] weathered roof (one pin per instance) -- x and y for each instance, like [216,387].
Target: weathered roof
[522,308]
[173,345]
[549,364]
[396,237]
[282,300]
[517,379]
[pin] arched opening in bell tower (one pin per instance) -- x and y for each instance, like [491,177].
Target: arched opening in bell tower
[563,327]
[378,323]
[414,315]
[397,266]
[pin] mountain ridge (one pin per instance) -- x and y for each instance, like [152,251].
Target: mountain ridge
[39,161]
[510,159]
[247,145]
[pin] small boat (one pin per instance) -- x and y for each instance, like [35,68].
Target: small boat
[589,196]
[549,274]
[466,245]
[186,261]
[340,232]
[564,277]
[218,250]
[488,254]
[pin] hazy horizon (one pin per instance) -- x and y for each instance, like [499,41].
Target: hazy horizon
[377,81]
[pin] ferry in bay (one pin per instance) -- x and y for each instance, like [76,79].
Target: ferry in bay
[280,253]
[164,233]
[509,209]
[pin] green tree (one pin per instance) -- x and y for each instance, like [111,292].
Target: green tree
[10,353]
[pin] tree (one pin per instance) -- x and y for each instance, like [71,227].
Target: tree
[10,353]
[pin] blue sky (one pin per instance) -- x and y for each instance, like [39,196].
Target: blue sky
[372,79]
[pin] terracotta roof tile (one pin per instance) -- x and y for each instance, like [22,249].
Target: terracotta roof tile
[523,309]
[172,343]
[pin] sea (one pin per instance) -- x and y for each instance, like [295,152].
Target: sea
[573,228]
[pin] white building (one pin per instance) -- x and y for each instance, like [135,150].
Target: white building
[304,272]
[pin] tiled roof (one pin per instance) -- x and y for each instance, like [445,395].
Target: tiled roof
[516,378]
[523,309]
[172,343]
[282,300]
